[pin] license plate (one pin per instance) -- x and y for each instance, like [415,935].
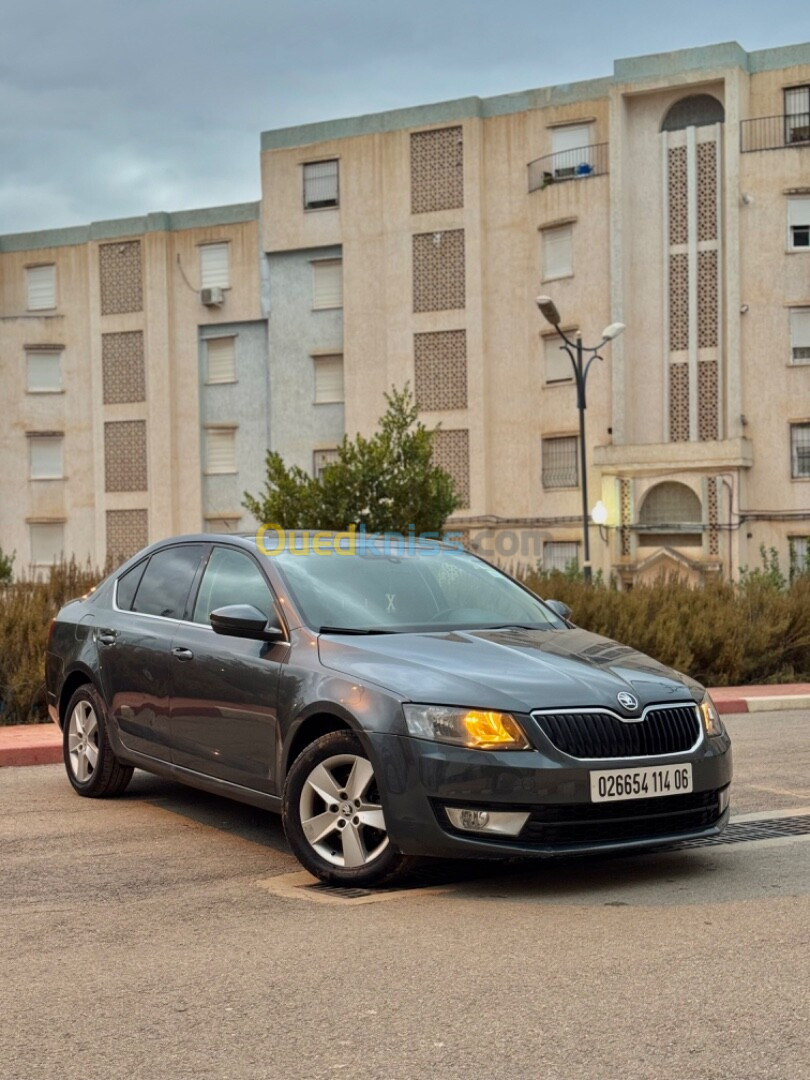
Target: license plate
[612,785]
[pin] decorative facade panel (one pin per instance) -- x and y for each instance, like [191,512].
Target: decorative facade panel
[708,299]
[125,455]
[713,511]
[438,271]
[679,402]
[440,370]
[451,451]
[121,276]
[437,170]
[122,361]
[678,303]
[626,515]
[708,403]
[707,191]
[677,187]
[127,533]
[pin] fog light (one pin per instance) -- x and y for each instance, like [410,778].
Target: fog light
[503,822]
[723,799]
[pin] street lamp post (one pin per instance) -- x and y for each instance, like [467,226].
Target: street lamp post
[576,353]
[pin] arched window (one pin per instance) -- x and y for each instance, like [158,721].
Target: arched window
[670,515]
[697,110]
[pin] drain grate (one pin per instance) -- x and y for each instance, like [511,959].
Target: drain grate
[742,831]
[342,892]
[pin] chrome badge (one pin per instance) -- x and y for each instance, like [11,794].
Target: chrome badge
[627,701]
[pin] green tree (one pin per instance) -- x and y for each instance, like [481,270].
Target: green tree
[6,566]
[386,483]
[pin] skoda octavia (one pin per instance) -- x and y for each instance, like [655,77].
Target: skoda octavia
[390,700]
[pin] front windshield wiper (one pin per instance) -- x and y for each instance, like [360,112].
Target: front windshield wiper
[353,630]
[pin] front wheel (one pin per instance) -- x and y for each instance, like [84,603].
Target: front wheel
[92,767]
[333,815]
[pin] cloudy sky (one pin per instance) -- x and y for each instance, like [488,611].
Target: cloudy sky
[109,109]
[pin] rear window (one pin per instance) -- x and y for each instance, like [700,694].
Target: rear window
[128,585]
[166,583]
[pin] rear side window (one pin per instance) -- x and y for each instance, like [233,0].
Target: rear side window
[231,578]
[164,587]
[128,585]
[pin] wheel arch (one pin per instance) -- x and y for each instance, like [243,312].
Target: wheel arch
[79,676]
[309,728]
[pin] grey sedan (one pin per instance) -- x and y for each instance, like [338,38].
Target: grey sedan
[391,700]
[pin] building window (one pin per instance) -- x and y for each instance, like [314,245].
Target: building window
[40,284]
[670,515]
[800,450]
[558,252]
[800,335]
[322,458]
[215,266]
[220,450]
[560,464]
[45,456]
[328,379]
[43,371]
[327,284]
[220,360]
[47,542]
[797,114]
[571,149]
[799,555]
[321,185]
[562,556]
[799,224]
[556,360]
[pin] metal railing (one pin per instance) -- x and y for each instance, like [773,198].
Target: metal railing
[775,132]
[577,164]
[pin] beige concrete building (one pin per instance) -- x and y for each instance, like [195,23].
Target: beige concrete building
[147,363]
[673,196]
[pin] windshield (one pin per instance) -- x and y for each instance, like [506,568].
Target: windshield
[424,589]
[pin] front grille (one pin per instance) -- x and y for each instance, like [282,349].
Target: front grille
[664,730]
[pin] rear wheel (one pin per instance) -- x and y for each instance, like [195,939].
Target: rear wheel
[333,815]
[92,767]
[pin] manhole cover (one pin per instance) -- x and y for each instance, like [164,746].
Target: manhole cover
[742,831]
[344,892]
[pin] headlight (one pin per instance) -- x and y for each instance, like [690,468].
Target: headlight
[478,728]
[712,724]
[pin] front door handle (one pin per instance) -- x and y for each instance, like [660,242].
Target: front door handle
[183,654]
[106,636]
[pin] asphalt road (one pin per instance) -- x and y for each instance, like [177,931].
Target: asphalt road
[161,936]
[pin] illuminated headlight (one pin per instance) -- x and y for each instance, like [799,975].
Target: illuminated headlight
[712,724]
[479,729]
[503,822]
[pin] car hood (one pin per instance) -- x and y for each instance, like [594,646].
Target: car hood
[516,670]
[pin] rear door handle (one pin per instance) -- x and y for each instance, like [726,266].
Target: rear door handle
[183,654]
[106,636]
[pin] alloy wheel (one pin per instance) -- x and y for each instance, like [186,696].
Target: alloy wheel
[83,741]
[341,813]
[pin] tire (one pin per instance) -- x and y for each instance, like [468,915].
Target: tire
[92,767]
[326,831]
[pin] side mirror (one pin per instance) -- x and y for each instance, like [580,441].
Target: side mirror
[559,608]
[245,621]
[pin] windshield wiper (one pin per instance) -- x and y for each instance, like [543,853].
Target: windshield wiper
[353,630]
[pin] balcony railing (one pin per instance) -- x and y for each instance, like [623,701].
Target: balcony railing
[775,132]
[576,164]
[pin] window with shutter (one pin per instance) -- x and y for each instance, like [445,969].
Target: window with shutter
[215,268]
[797,114]
[322,458]
[327,283]
[43,371]
[328,379]
[559,555]
[45,455]
[220,450]
[558,252]
[799,224]
[560,462]
[800,450]
[41,287]
[47,542]
[557,362]
[571,148]
[220,360]
[321,185]
[799,555]
[800,335]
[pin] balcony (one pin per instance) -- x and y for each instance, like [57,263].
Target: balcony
[775,132]
[577,164]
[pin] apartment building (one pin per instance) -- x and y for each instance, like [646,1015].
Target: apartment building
[672,196]
[148,363]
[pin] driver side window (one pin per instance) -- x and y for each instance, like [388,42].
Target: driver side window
[231,578]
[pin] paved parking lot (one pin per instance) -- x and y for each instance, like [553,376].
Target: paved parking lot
[162,935]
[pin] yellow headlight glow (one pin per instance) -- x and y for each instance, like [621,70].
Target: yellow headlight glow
[493,730]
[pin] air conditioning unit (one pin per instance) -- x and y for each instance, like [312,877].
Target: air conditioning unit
[214,297]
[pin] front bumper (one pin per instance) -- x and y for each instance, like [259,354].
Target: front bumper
[419,778]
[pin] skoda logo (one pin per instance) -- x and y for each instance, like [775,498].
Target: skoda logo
[627,701]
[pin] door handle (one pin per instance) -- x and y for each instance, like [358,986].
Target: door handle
[106,636]
[183,654]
